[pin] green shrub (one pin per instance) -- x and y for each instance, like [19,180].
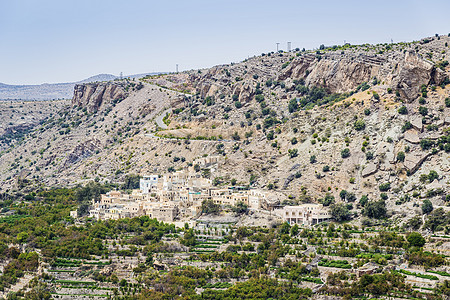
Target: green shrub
[403,110]
[293,153]
[384,186]
[345,153]
[359,125]
[423,111]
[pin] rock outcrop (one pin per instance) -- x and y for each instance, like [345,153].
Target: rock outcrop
[81,152]
[340,73]
[413,161]
[336,75]
[93,96]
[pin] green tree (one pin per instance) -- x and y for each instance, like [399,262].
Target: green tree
[209,207]
[432,175]
[375,209]
[427,206]
[294,230]
[423,111]
[363,201]
[293,105]
[328,199]
[189,238]
[415,239]
[285,228]
[340,212]
[131,182]
[240,207]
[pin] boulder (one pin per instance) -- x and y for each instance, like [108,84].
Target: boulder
[413,161]
[416,122]
[370,169]
[412,136]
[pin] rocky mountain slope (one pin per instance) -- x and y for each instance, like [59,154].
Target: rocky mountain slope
[51,91]
[370,119]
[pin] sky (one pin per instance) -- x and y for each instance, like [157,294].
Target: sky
[50,41]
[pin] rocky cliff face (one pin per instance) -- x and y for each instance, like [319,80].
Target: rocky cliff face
[339,73]
[93,96]
[403,67]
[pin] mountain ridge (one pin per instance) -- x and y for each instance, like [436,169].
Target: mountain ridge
[53,91]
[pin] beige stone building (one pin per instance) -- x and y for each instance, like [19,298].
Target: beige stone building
[305,214]
[115,205]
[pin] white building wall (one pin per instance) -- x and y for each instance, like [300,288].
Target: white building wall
[147,183]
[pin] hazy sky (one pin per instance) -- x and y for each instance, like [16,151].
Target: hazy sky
[70,40]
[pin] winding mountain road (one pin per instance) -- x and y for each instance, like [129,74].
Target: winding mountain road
[160,117]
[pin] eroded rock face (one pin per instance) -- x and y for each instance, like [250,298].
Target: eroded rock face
[412,72]
[93,96]
[343,73]
[335,74]
[244,91]
[81,152]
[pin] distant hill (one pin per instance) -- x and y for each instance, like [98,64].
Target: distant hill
[52,91]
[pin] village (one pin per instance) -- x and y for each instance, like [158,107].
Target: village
[177,198]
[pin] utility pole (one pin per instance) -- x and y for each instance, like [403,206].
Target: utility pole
[289,46]
[277,46]
[121,76]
